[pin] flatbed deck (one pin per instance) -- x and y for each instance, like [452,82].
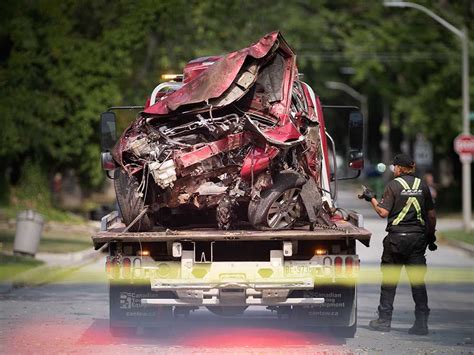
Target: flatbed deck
[344,229]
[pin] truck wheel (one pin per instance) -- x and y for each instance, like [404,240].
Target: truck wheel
[130,203]
[280,206]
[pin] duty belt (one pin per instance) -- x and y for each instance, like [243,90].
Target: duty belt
[405,234]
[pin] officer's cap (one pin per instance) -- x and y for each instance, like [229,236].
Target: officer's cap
[403,160]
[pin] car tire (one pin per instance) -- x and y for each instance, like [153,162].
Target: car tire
[130,203]
[263,214]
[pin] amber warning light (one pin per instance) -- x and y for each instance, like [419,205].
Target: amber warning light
[320,252]
[172,77]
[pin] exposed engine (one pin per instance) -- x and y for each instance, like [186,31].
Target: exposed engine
[208,151]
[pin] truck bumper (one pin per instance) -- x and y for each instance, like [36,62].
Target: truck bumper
[249,301]
[278,282]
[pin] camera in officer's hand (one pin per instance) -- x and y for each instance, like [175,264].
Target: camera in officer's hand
[367,194]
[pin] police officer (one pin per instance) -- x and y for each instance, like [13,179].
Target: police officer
[411,226]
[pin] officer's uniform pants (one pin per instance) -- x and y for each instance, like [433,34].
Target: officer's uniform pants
[409,250]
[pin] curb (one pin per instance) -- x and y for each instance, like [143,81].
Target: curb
[468,248]
[66,258]
[53,270]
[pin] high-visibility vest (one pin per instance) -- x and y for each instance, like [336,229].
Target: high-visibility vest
[412,201]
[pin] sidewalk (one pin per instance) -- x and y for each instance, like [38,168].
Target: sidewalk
[55,266]
[56,263]
[55,259]
[446,224]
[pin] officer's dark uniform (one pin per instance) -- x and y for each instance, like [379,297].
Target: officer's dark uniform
[407,199]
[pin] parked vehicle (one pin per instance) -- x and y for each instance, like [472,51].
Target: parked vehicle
[224,186]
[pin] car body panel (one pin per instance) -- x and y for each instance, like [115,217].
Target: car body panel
[218,78]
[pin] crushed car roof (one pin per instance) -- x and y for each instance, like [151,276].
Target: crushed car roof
[226,80]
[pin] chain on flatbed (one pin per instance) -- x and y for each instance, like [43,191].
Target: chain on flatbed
[335,228]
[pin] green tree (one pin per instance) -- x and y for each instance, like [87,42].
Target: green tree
[64,62]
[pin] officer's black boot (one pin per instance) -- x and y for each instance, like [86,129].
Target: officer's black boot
[421,324]
[382,323]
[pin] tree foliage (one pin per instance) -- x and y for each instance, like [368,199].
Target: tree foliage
[64,62]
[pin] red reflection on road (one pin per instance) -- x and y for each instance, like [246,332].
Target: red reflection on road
[41,336]
[45,336]
[254,337]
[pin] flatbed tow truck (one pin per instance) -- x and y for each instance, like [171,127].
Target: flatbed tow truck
[155,276]
[237,166]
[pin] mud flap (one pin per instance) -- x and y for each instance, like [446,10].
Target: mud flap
[338,310]
[126,309]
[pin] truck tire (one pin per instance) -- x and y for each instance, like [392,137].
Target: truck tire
[280,206]
[130,203]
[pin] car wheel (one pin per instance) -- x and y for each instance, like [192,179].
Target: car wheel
[131,203]
[280,206]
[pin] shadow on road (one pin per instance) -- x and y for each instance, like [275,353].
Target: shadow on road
[218,333]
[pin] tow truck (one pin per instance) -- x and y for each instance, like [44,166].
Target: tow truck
[226,183]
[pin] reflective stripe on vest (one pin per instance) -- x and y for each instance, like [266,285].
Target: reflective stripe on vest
[411,201]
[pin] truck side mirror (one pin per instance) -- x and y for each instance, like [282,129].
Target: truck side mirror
[356,137]
[108,134]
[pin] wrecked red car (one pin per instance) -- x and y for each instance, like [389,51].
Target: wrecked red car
[239,139]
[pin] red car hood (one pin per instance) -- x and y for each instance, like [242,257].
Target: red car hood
[215,84]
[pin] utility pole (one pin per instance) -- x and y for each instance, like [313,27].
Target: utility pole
[466,160]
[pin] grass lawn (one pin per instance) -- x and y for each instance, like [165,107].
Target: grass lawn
[51,241]
[12,265]
[459,235]
[49,214]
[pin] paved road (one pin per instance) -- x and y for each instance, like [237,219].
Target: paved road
[71,317]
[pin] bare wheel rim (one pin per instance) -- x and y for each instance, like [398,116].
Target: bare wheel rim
[285,210]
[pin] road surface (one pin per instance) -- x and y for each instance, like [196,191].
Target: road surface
[72,316]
